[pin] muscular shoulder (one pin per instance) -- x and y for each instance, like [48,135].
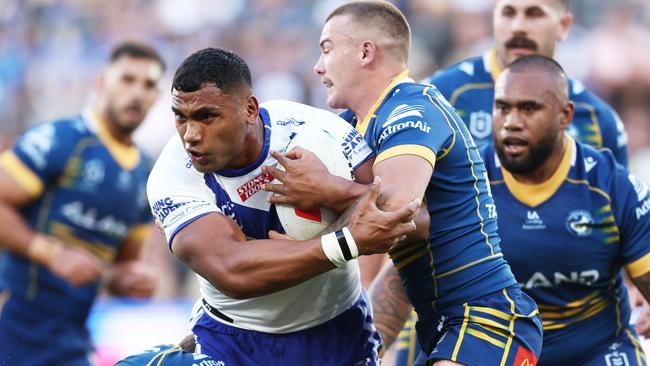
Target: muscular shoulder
[598,166]
[412,100]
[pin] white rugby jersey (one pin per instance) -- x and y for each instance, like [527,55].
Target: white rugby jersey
[179,194]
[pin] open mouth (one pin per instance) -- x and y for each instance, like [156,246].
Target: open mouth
[134,111]
[196,156]
[514,145]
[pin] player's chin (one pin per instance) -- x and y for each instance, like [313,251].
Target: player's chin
[333,101]
[203,166]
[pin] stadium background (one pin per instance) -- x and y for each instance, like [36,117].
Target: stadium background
[52,50]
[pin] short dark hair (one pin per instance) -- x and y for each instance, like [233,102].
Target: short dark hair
[381,15]
[221,67]
[137,50]
[540,63]
[537,62]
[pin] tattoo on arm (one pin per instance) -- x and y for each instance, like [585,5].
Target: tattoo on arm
[390,305]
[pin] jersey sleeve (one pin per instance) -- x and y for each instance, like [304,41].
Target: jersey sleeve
[38,156]
[614,135]
[353,144]
[632,204]
[177,193]
[422,125]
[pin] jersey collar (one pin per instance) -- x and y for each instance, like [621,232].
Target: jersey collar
[491,63]
[362,124]
[534,195]
[127,156]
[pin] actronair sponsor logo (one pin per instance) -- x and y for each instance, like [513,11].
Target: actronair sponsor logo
[248,189]
[422,126]
[403,111]
[640,187]
[164,207]
[643,209]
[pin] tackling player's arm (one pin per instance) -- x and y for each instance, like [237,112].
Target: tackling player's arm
[642,284]
[390,305]
[215,247]
[131,275]
[308,185]
[79,267]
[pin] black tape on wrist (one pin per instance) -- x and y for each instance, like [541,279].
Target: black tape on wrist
[343,243]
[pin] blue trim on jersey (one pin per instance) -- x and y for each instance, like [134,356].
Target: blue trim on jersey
[254,222]
[264,115]
[182,226]
[363,161]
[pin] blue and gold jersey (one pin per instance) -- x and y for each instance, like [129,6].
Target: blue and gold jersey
[567,240]
[89,191]
[461,260]
[469,88]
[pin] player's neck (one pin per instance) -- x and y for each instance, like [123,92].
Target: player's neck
[116,133]
[544,172]
[254,143]
[374,88]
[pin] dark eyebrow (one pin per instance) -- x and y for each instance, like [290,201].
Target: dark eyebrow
[528,103]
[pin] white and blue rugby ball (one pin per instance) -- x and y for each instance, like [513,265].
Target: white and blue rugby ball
[299,224]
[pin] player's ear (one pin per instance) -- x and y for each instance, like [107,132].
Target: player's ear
[252,109]
[368,52]
[565,24]
[567,114]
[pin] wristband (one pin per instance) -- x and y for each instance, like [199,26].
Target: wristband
[42,249]
[339,247]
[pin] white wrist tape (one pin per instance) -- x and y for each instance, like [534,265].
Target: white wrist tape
[339,247]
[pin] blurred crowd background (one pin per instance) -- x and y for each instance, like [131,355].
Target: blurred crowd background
[52,50]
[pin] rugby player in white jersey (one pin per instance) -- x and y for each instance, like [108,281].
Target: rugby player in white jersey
[264,301]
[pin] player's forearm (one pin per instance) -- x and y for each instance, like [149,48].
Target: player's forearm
[15,234]
[17,237]
[261,267]
[343,194]
[642,283]
[390,305]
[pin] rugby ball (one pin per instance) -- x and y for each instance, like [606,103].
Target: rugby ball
[299,224]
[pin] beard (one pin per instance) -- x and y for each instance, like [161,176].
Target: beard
[124,127]
[537,155]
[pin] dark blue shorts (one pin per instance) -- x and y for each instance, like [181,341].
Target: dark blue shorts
[348,339]
[503,328]
[30,335]
[624,350]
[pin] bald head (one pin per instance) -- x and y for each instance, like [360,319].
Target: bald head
[548,66]
[382,21]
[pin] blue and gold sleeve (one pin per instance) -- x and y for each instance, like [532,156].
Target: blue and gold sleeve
[632,197]
[38,156]
[421,125]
